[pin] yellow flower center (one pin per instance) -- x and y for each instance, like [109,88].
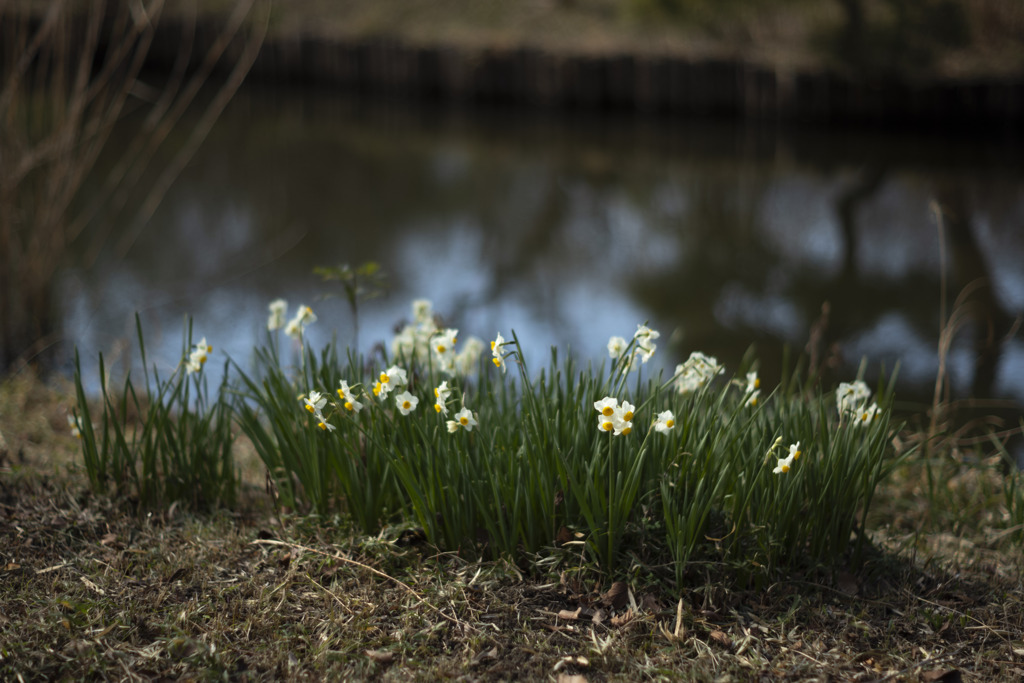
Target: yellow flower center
[341,394]
[497,362]
[464,420]
[310,408]
[441,348]
[757,383]
[437,393]
[492,346]
[348,405]
[628,415]
[670,423]
[627,430]
[607,426]
[384,379]
[607,411]
[784,467]
[796,456]
[753,401]
[437,407]
[376,389]
[322,426]
[406,405]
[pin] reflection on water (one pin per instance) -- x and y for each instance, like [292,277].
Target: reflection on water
[573,230]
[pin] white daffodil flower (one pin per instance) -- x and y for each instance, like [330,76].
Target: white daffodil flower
[665,422]
[464,419]
[278,311]
[616,347]
[406,402]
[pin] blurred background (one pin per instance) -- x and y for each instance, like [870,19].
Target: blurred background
[841,178]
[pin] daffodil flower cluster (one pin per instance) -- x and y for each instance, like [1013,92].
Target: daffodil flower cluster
[349,401]
[296,327]
[419,340]
[852,403]
[643,347]
[198,357]
[497,353]
[752,391]
[614,417]
[315,404]
[390,380]
[784,465]
[698,370]
[441,393]
[75,423]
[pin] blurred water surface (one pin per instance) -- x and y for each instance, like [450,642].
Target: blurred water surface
[570,229]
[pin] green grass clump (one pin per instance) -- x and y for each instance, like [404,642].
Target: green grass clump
[165,443]
[492,463]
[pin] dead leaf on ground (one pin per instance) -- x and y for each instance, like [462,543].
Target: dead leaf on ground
[617,596]
[381,656]
[721,638]
[623,619]
[650,604]
[570,615]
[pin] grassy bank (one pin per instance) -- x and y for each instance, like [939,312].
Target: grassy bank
[953,39]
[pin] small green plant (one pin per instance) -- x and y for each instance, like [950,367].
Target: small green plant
[165,442]
[362,283]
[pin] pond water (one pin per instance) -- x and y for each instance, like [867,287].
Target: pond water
[574,228]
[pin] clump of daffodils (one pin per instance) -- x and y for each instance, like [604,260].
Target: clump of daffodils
[422,340]
[698,370]
[198,357]
[852,402]
[614,417]
[413,341]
